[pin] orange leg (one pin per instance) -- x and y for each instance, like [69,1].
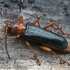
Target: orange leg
[27,43]
[49,50]
[51,24]
[19,20]
[18,35]
[8,20]
[11,37]
[36,21]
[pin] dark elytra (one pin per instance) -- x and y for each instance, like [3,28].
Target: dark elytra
[40,35]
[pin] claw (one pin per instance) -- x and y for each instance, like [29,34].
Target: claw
[38,62]
[64,62]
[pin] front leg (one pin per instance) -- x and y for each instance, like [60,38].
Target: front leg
[11,37]
[18,35]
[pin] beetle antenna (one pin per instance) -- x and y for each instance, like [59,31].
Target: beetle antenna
[6,46]
[6,28]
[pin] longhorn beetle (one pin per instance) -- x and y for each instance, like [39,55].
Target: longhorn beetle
[45,39]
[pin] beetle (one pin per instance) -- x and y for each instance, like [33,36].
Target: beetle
[46,40]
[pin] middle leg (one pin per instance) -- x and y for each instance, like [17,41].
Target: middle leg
[27,43]
[36,21]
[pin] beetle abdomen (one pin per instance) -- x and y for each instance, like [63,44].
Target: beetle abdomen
[44,36]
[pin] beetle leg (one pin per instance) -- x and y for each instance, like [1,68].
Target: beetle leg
[18,35]
[27,43]
[53,23]
[8,20]
[48,25]
[49,50]
[36,21]
[19,20]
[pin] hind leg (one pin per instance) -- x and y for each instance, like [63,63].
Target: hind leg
[53,23]
[49,50]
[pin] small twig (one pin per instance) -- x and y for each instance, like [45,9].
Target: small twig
[35,6]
